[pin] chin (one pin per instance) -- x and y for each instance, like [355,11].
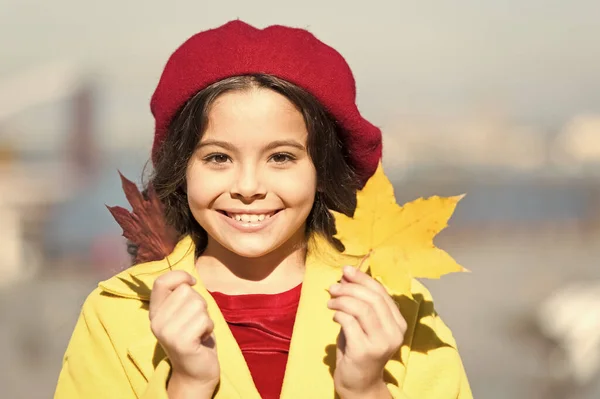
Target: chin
[251,253]
[252,248]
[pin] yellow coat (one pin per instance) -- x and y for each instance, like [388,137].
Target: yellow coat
[113,353]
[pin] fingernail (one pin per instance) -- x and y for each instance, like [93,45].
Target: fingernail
[349,271]
[334,288]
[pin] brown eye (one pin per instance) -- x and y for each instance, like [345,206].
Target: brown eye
[216,158]
[282,157]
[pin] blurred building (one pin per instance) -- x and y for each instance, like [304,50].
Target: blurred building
[36,177]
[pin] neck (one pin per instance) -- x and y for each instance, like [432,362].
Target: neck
[224,271]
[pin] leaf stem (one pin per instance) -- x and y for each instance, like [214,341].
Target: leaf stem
[364,258]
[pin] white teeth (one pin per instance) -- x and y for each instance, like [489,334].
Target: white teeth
[249,218]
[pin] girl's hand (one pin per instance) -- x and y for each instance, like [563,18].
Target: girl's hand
[372,331]
[180,322]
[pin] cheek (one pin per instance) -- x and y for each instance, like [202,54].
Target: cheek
[298,188]
[202,190]
[198,195]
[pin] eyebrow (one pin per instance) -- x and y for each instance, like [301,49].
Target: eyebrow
[223,144]
[284,143]
[271,146]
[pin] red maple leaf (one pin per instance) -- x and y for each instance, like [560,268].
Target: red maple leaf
[145,226]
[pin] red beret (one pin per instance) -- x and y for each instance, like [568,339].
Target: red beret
[295,55]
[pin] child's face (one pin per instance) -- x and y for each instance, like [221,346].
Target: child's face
[251,183]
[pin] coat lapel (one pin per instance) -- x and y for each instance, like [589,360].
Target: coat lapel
[311,361]
[235,373]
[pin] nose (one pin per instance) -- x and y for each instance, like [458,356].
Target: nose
[248,185]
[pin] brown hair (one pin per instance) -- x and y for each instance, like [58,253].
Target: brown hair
[336,179]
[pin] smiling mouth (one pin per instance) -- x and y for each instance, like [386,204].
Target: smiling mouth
[249,218]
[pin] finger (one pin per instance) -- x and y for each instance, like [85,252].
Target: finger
[376,301]
[178,301]
[186,326]
[361,311]
[353,275]
[166,284]
[354,335]
[182,306]
[187,334]
[198,329]
[195,317]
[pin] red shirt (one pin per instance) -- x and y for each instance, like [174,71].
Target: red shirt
[262,325]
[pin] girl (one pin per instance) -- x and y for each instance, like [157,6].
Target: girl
[257,138]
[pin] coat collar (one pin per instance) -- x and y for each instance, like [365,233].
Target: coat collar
[137,281]
[313,339]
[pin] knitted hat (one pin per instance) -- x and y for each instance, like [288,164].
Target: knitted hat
[294,55]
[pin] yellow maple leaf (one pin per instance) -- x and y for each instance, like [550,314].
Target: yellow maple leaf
[396,242]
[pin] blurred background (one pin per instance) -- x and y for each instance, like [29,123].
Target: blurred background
[496,99]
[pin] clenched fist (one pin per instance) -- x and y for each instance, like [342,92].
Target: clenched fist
[181,324]
[372,331]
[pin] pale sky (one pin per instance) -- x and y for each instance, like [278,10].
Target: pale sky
[537,59]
